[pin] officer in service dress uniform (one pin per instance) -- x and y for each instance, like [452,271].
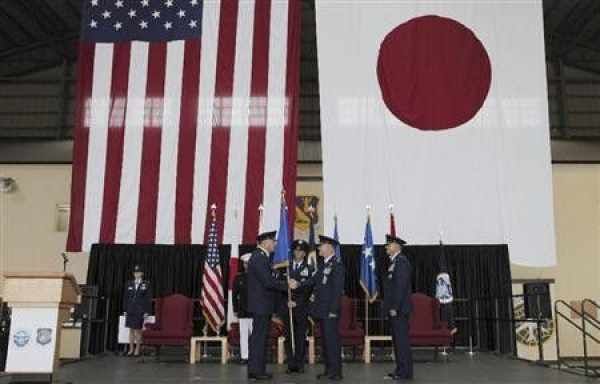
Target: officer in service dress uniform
[328,288]
[397,288]
[137,305]
[262,287]
[301,272]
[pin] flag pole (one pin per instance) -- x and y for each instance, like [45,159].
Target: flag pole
[366,293]
[289,290]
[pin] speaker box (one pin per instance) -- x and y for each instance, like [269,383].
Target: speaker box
[537,300]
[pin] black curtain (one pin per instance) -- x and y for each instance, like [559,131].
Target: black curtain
[480,273]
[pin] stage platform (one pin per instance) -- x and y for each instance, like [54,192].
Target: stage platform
[484,368]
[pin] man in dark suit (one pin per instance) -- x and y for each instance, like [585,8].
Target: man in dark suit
[397,288]
[137,305]
[301,272]
[328,287]
[262,286]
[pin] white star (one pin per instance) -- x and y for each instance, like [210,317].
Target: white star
[145,3]
[132,13]
[94,3]
[156,14]
[168,25]
[368,251]
[169,3]
[193,24]
[93,24]
[194,3]
[118,25]
[181,13]
[119,4]
[143,24]
[106,14]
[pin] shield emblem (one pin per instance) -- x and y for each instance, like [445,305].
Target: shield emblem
[44,336]
[21,338]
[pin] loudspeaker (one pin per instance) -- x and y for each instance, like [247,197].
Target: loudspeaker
[86,310]
[537,300]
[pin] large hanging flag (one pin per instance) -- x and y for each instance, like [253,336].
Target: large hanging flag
[211,295]
[368,277]
[282,250]
[441,107]
[173,94]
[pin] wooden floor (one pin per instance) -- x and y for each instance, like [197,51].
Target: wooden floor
[484,368]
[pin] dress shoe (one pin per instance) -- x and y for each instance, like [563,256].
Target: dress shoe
[262,376]
[392,376]
[289,371]
[335,377]
[244,361]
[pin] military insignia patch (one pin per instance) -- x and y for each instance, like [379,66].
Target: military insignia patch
[44,336]
[21,338]
[304,272]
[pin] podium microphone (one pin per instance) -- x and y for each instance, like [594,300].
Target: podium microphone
[65,260]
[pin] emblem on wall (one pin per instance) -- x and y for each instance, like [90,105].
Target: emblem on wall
[44,336]
[21,338]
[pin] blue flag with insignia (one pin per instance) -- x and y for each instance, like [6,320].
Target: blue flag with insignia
[282,250]
[368,278]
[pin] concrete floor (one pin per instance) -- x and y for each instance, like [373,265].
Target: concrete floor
[484,368]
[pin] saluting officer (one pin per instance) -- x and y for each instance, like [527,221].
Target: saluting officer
[328,287]
[301,272]
[137,305]
[262,286]
[397,287]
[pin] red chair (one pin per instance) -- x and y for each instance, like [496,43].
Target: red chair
[426,327]
[173,326]
[351,331]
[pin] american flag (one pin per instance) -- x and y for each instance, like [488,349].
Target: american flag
[213,299]
[181,103]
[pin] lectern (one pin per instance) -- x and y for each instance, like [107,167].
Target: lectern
[40,303]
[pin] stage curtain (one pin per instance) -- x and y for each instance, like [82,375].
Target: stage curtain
[479,272]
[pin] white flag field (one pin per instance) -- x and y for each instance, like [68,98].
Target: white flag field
[439,108]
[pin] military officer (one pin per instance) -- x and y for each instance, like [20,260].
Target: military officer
[301,272]
[137,305]
[397,287]
[328,287]
[262,286]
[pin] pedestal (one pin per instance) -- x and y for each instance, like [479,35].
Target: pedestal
[40,303]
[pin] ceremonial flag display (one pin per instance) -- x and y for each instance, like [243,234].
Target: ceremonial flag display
[440,108]
[212,297]
[282,250]
[182,104]
[368,278]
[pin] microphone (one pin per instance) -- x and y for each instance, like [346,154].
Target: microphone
[65,260]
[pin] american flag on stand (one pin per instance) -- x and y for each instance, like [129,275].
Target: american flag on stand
[173,94]
[212,296]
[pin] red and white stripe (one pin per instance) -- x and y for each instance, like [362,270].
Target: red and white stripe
[164,130]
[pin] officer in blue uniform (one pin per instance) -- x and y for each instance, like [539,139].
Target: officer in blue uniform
[262,287]
[137,305]
[301,272]
[397,288]
[328,288]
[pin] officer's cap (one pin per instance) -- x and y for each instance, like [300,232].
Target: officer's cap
[394,239]
[266,235]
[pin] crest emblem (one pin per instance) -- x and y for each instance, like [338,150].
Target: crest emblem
[44,336]
[443,288]
[21,338]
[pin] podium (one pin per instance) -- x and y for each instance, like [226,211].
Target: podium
[40,303]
